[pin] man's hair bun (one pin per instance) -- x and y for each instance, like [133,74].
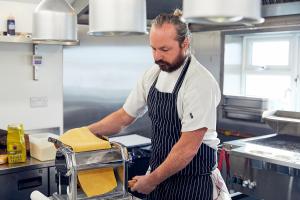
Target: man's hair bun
[177,13]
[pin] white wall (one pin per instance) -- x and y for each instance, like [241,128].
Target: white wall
[22,11]
[206,46]
[17,86]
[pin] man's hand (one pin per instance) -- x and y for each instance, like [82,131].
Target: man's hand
[144,184]
[112,123]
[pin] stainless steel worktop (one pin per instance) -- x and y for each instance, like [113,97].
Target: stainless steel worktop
[229,145]
[252,149]
[31,163]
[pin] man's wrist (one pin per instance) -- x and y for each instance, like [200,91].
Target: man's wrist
[91,129]
[154,178]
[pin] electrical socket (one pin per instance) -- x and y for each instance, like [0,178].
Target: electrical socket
[38,102]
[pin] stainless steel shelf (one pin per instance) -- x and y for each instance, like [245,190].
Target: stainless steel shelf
[15,39]
[65,43]
[26,40]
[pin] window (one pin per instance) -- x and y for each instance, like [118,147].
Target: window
[264,66]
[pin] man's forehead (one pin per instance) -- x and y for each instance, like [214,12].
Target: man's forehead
[166,28]
[164,32]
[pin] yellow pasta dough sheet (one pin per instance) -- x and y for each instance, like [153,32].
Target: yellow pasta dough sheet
[82,139]
[97,181]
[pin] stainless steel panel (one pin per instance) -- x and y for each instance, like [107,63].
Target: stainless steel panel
[280,9]
[245,108]
[250,179]
[99,75]
[99,158]
[266,167]
[52,183]
[19,185]
[283,122]
[248,102]
[243,113]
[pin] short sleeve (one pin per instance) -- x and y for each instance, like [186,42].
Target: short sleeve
[200,103]
[135,104]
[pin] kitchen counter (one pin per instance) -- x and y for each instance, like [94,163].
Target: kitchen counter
[229,145]
[31,163]
[21,179]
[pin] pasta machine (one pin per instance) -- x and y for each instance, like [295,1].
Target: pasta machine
[68,164]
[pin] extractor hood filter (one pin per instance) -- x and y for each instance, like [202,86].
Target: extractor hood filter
[223,12]
[117,17]
[54,22]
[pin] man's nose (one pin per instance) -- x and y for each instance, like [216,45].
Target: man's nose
[157,55]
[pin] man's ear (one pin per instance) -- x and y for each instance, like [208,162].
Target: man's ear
[186,43]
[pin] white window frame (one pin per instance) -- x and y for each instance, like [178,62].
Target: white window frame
[249,40]
[292,69]
[297,77]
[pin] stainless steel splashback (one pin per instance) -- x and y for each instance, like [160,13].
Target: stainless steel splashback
[99,75]
[283,122]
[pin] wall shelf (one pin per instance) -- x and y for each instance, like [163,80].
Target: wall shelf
[15,39]
[26,40]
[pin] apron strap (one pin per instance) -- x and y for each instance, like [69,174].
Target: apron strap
[182,75]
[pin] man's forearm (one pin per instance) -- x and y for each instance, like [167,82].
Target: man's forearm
[112,123]
[180,156]
[176,161]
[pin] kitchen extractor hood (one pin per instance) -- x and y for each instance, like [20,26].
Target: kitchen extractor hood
[272,10]
[54,22]
[223,12]
[153,8]
[117,17]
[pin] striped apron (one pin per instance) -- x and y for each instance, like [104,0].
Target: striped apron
[194,181]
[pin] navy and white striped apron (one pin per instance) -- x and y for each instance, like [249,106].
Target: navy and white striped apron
[193,182]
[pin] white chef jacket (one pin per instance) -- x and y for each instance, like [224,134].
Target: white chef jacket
[197,99]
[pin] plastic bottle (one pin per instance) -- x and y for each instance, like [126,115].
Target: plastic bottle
[16,147]
[11,26]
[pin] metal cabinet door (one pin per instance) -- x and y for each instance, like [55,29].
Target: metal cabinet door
[52,183]
[18,186]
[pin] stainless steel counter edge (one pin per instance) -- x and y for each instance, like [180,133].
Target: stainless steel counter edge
[243,153]
[30,164]
[229,145]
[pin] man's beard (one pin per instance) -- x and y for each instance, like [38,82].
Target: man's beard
[170,67]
